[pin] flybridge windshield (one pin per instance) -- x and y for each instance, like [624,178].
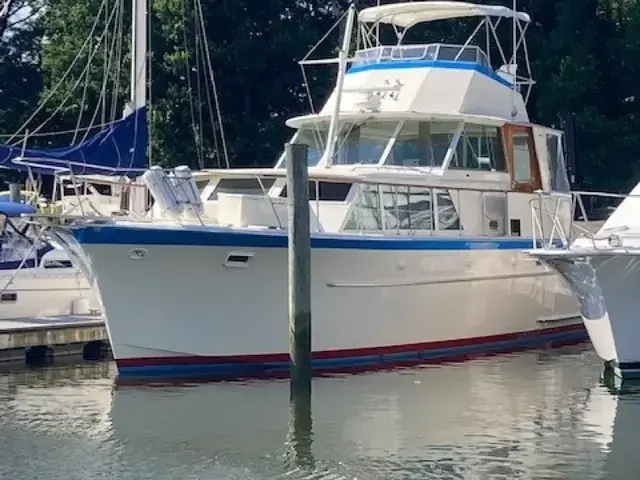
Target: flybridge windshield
[416,144]
[437,51]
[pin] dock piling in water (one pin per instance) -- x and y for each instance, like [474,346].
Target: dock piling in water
[299,268]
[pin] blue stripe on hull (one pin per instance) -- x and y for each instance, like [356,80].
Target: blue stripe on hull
[571,335]
[209,236]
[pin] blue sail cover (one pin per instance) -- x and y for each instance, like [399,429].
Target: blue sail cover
[15,209]
[119,149]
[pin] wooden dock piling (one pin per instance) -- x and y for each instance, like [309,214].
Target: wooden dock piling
[299,268]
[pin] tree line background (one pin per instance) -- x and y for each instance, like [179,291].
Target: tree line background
[585,57]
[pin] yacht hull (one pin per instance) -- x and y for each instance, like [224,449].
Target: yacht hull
[35,292]
[176,306]
[607,286]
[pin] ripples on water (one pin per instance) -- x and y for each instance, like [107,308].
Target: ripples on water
[540,415]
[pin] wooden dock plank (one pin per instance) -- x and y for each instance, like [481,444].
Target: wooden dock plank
[56,336]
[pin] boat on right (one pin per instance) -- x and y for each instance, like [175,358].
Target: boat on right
[602,267]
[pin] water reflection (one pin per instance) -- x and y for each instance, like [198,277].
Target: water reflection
[300,434]
[532,415]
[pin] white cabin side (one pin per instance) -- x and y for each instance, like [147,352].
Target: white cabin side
[485,189]
[427,79]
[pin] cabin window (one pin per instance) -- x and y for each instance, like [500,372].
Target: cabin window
[523,162]
[390,211]
[58,264]
[356,144]
[460,53]
[557,170]
[315,140]
[363,144]
[392,208]
[522,158]
[422,144]
[329,191]
[366,212]
[247,186]
[446,213]
[479,148]
[125,198]
[417,207]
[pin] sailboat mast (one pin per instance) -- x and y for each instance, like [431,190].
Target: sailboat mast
[514,68]
[137,198]
[138,54]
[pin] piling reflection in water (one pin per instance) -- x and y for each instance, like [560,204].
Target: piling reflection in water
[532,415]
[300,435]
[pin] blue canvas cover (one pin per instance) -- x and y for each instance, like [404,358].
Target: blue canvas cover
[119,149]
[15,209]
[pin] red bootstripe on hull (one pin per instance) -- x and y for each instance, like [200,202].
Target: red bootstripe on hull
[345,353]
[169,380]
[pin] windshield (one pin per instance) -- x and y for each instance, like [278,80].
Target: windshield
[357,144]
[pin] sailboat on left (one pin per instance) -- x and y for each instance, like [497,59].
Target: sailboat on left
[37,277]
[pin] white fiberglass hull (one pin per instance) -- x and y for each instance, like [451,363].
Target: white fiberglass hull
[607,285]
[34,292]
[176,306]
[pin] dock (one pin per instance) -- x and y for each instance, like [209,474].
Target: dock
[40,340]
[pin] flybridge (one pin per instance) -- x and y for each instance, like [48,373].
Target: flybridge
[438,82]
[404,16]
[455,57]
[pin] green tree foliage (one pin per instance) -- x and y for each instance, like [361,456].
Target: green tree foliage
[585,57]
[85,64]
[20,62]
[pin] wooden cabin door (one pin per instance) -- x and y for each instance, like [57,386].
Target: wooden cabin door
[522,160]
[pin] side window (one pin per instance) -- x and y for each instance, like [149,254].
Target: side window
[420,209]
[314,139]
[422,144]
[247,186]
[523,161]
[446,213]
[521,158]
[363,144]
[557,170]
[390,209]
[365,214]
[403,209]
[480,148]
[407,208]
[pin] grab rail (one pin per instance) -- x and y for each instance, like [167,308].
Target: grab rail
[540,212]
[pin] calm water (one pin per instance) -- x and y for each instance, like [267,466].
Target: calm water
[532,415]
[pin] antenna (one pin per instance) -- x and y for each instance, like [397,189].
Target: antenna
[332,135]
